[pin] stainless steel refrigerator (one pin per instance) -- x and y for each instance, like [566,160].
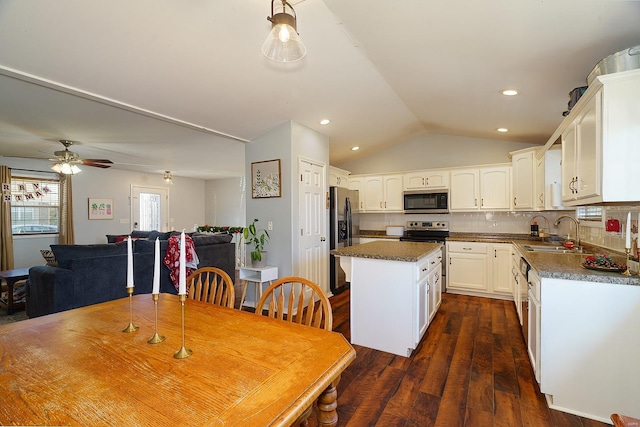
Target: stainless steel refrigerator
[344,230]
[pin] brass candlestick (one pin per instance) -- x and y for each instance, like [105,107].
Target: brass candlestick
[183,353]
[626,262]
[156,338]
[131,327]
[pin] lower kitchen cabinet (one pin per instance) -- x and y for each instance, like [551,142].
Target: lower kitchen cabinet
[500,255]
[477,268]
[467,266]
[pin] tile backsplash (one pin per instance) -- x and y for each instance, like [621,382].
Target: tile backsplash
[592,232]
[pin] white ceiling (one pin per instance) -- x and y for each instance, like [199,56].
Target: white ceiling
[159,84]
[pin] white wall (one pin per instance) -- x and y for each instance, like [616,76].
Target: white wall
[226,202]
[428,151]
[287,142]
[186,206]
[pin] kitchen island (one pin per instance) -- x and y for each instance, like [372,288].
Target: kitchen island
[395,292]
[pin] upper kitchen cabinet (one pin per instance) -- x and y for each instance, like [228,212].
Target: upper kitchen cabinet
[474,189]
[549,180]
[338,177]
[600,142]
[523,164]
[378,193]
[426,179]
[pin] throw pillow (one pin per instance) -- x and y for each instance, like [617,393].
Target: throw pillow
[49,257]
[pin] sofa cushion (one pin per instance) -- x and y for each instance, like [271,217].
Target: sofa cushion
[138,234]
[146,246]
[211,239]
[159,234]
[65,253]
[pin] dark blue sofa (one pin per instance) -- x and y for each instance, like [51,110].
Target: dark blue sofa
[90,274]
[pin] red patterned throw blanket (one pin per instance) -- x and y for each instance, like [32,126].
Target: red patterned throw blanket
[172,258]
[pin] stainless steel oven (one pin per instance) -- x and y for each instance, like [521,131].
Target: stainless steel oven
[430,232]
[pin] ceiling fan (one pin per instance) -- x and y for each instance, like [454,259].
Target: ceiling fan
[67,161]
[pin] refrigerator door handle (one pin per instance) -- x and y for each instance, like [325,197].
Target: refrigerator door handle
[347,214]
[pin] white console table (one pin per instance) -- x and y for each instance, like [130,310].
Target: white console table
[258,276]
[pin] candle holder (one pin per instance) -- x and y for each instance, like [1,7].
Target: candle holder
[131,327]
[183,353]
[626,262]
[156,338]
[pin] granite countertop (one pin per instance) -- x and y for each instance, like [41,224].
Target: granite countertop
[566,266]
[569,267]
[390,251]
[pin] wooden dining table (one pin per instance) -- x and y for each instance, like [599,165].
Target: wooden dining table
[77,367]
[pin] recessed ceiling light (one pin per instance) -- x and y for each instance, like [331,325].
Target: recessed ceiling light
[502,130]
[356,148]
[509,92]
[325,121]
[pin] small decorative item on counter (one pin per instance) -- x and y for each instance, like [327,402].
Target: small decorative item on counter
[602,262]
[569,244]
[534,229]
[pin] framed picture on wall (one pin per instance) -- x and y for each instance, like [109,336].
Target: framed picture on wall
[265,179]
[100,208]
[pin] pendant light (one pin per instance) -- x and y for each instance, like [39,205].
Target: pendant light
[283,44]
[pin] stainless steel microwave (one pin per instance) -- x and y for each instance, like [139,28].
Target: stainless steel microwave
[426,201]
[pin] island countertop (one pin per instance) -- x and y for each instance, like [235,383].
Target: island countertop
[388,250]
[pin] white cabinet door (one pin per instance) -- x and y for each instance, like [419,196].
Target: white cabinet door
[357,183]
[426,179]
[523,182]
[467,266]
[464,190]
[582,153]
[589,183]
[393,198]
[373,194]
[500,259]
[540,191]
[338,177]
[495,188]
[435,290]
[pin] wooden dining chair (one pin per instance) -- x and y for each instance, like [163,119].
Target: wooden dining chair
[212,285]
[297,300]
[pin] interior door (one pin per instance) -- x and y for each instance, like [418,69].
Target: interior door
[149,208]
[313,247]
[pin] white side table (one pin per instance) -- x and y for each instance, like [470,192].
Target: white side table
[258,276]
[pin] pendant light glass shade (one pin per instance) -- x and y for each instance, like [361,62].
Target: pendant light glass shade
[283,44]
[66,168]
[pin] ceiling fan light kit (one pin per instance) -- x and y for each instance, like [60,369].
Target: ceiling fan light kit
[283,44]
[67,161]
[167,177]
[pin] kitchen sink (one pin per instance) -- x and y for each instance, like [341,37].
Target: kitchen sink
[552,249]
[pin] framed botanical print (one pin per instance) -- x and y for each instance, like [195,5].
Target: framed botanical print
[265,179]
[100,208]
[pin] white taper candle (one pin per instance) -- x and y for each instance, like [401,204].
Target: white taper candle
[628,241]
[156,269]
[129,264]
[182,278]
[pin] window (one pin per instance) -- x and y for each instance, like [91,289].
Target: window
[35,205]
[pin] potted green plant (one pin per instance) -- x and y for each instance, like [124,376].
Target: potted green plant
[258,238]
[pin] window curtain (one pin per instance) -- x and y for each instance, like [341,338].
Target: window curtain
[6,235]
[65,234]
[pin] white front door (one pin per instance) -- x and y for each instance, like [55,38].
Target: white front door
[150,208]
[312,224]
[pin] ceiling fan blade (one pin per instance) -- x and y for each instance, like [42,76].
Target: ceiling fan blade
[96,165]
[97,161]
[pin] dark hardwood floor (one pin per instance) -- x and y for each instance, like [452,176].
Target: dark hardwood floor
[471,369]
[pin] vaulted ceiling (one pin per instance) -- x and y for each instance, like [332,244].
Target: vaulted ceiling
[160,85]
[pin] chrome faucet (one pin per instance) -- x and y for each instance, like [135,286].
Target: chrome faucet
[557,222]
